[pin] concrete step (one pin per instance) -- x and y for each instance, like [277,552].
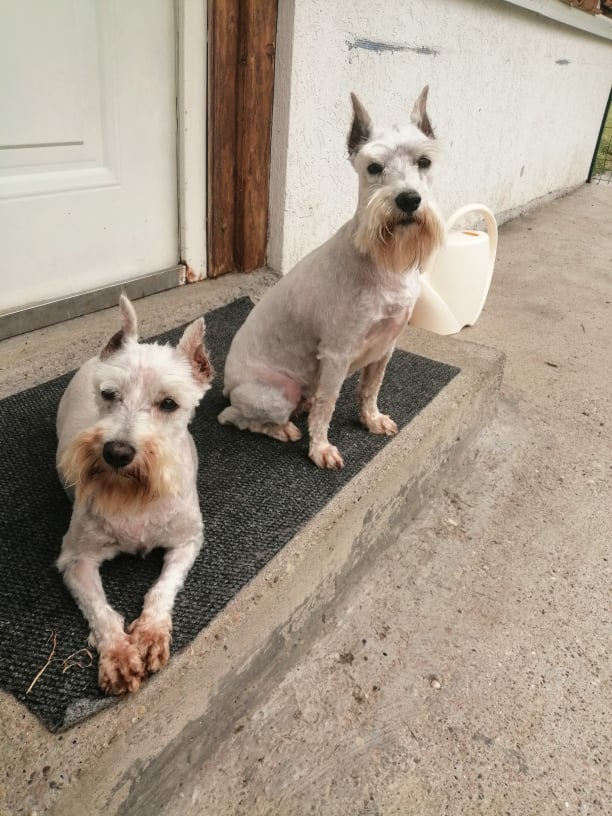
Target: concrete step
[135,757]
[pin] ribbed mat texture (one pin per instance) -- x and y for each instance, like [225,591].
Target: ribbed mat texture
[255,494]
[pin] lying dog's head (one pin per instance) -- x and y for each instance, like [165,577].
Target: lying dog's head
[145,396]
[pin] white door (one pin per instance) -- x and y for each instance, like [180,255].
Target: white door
[88,145]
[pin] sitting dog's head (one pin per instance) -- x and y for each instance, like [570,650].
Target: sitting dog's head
[398,225]
[145,396]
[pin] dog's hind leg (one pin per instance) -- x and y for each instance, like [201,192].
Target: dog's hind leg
[369,386]
[262,409]
[285,432]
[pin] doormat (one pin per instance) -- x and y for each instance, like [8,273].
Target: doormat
[255,494]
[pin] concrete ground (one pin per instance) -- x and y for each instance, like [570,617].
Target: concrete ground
[467,671]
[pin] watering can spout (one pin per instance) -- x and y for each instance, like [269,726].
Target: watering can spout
[456,279]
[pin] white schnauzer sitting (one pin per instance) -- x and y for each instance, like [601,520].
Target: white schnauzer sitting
[342,307]
[126,457]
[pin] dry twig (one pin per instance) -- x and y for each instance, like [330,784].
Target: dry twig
[82,659]
[75,659]
[53,637]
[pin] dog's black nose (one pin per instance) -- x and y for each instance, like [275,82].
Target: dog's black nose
[408,202]
[118,454]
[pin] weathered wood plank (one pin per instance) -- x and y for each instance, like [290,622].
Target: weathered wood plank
[255,90]
[223,23]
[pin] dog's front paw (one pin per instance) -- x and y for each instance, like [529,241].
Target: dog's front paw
[379,424]
[327,456]
[152,640]
[120,668]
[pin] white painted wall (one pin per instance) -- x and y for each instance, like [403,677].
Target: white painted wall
[517,98]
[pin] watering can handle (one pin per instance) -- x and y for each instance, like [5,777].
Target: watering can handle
[489,221]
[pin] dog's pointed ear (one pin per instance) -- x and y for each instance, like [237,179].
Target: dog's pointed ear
[128,330]
[192,346]
[361,128]
[419,115]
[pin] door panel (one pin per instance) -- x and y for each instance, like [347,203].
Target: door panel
[88,174]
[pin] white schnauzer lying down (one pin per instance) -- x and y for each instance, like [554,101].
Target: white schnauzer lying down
[342,307]
[126,457]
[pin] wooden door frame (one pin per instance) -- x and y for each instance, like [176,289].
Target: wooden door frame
[241,52]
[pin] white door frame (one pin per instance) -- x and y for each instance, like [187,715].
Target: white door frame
[192,29]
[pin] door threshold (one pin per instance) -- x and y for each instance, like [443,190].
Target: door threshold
[30,318]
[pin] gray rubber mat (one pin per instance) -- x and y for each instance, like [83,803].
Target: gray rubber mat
[255,494]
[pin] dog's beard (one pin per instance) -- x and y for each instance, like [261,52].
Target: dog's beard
[153,474]
[396,240]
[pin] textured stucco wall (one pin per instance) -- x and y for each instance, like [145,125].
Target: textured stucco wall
[517,98]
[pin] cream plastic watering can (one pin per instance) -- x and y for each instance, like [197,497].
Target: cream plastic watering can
[455,281]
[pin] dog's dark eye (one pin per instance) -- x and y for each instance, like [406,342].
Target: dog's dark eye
[168,405]
[375,169]
[108,395]
[424,162]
